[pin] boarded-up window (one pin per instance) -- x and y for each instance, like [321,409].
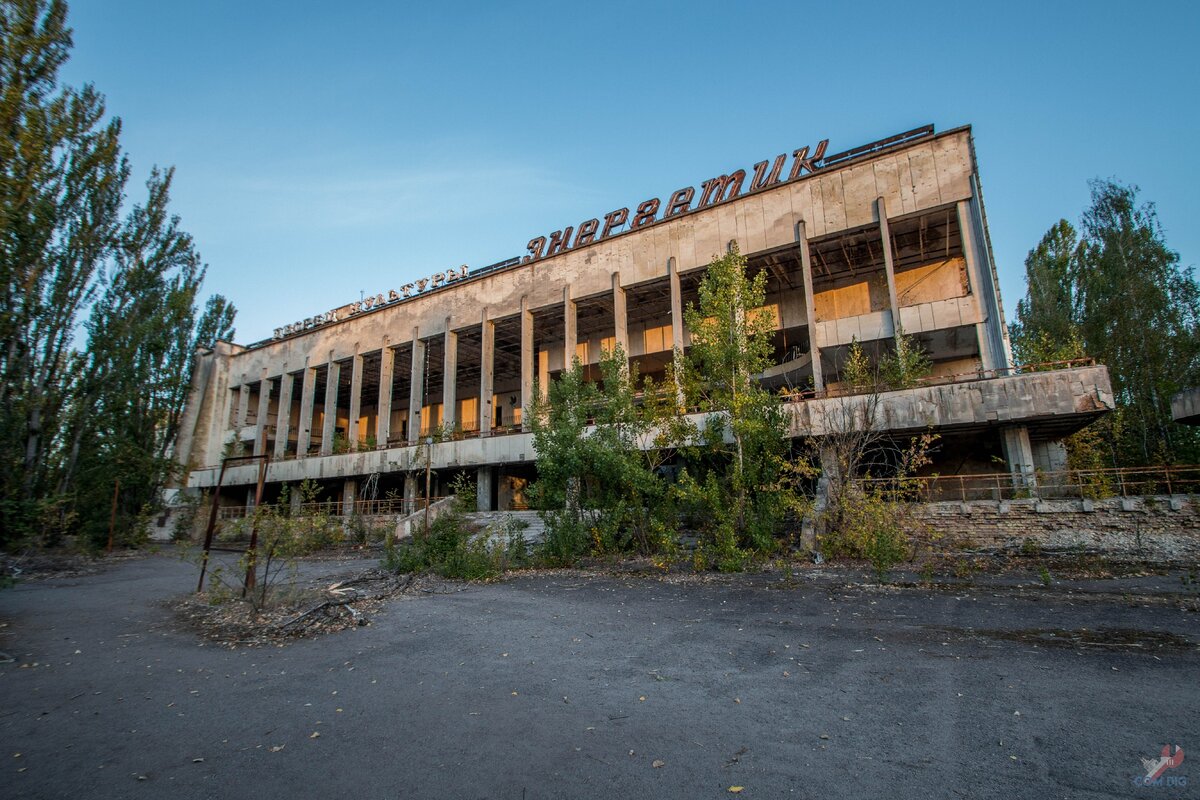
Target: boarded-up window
[938,280]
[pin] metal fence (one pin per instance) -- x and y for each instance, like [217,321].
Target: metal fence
[391,506]
[1068,484]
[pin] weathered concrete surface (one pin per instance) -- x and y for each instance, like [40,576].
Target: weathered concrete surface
[1028,398]
[565,687]
[1159,529]
[1185,407]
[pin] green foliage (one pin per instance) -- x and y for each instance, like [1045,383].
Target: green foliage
[465,491]
[597,488]
[1116,292]
[872,527]
[902,366]
[905,365]
[71,423]
[1045,318]
[736,480]
[456,548]
[857,371]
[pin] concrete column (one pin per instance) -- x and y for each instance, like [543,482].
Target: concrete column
[333,375]
[620,319]
[416,390]
[383,419]
[304,429]
[450,379]
[991,347]
[283,419]
[543,374]
[889,266]
[294,498]
[483,488]
[676,327]
[349,496]
[243,406]
[810,308]
[411,487]
[264,410]
[526,361]
[487,367]
[352,431]
[570,329]
[1018,452]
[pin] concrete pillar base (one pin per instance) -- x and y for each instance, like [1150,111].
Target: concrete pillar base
[349,496]
[483,488]
[1018,452]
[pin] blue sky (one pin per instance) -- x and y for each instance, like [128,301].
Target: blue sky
[322,149]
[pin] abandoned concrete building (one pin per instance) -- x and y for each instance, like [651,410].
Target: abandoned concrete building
[360,399]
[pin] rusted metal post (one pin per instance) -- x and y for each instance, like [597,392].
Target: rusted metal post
[212,522]
[252,551]
[112,519]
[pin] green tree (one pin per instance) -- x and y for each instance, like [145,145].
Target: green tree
[599,486]
[61,181]
[737,478]
[71,422]
[1117,293]
[142,335]
[1139,314]
[1045,323]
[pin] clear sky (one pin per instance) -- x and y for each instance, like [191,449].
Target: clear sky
[323,149]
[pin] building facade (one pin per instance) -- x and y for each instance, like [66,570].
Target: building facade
[362,398]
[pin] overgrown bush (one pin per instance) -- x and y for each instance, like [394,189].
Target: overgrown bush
[455,547]
[869,526]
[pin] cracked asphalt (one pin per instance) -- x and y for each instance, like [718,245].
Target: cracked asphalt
[571,686]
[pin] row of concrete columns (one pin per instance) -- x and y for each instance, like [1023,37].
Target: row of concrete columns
[989,353]
[418,372]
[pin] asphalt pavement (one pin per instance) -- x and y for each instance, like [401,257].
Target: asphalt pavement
[573,686]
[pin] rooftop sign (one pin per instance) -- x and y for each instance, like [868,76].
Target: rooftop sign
[370,302]
[713,191]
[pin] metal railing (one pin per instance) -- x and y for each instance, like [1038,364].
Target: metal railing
[389,506]
[1093,484]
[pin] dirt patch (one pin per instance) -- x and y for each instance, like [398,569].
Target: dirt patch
[35,565]
[301,611]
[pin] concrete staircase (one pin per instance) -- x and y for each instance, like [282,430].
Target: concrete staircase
[499,521]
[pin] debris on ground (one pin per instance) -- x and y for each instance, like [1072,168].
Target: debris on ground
[303,611]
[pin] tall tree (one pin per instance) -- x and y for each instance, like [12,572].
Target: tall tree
[1139,313]
[1116,292]
[61,181]
[1046,315]
[731,344]
[69,421]
[142,334]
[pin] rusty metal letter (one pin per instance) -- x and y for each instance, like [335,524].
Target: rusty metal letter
[680,202]
[587,232]
[730,186]
[761,178]
[614,219]
[535,247]
[804,162]
[559,241]
[646,212]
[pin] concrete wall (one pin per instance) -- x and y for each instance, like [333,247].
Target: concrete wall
[1019,399]
[1157,528]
